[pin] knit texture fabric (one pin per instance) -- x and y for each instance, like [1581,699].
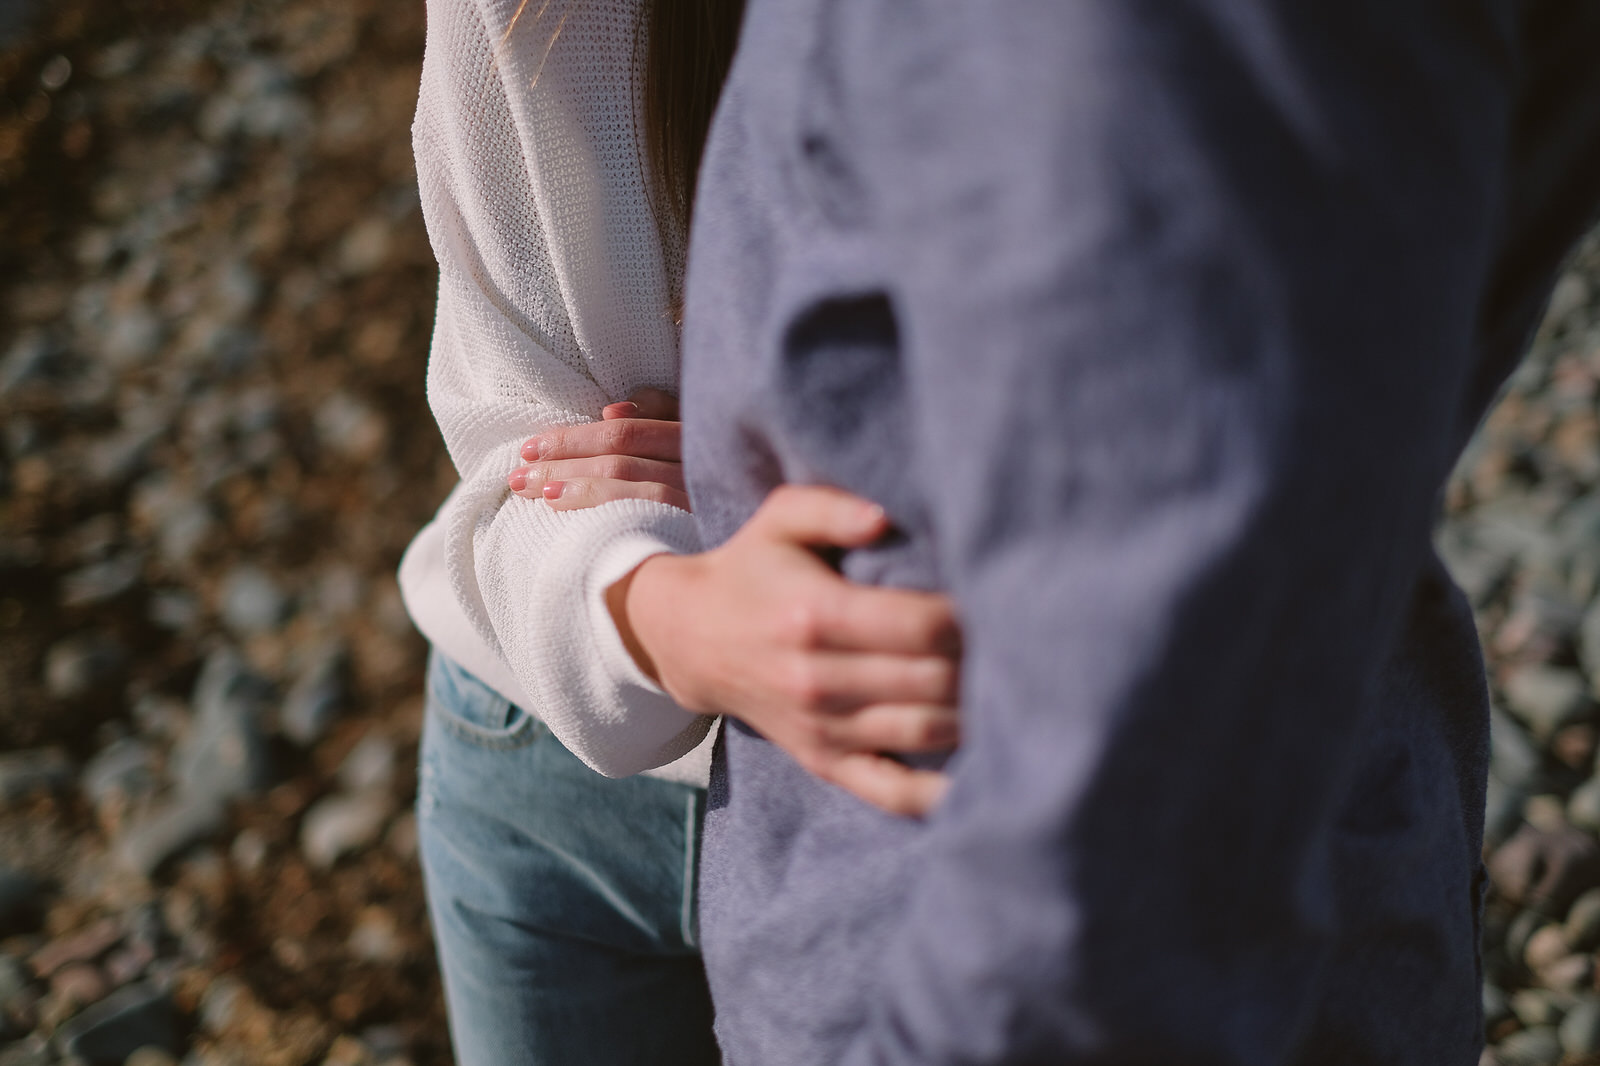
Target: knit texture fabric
[554,300]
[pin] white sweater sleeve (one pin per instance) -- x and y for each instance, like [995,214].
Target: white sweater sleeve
[554,293]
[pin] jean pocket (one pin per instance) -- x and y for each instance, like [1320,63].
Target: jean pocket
[473,711]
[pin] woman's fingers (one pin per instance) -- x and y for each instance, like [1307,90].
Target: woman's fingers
[886,784]
[585,492]
[900,728]
[645,403]
[645,438]
[529,481]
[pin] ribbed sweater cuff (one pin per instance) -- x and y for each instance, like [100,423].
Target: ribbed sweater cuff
[625,723]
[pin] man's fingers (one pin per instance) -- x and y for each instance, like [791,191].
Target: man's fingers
[645,438]
[529,481]
[886,784]
[871,619]
[583,492]
[847,681]
[902,729]
[819,514]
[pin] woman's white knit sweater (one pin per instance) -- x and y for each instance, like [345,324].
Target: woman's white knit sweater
[554,298]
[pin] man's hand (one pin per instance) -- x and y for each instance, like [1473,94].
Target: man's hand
[631,453]
[834,673]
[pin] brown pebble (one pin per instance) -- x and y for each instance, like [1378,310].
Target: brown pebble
[1573,745]
[84,946]
[1568,974]
[1545,947]
[150,1056]
[1545,870]
[128,963]
[80,983]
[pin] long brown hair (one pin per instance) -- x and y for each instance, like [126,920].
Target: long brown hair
[683,48]
[688,45]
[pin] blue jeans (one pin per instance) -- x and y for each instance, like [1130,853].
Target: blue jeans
[562,901]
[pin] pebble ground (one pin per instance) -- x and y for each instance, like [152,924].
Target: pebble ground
[215,296]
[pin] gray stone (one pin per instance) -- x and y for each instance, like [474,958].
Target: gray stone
[102,581]
[1538,1006]
[1589,644]
[157,837]
[221,1003]
[1514,760]
[14,979]
[140,1015]
[37,770]
[183,528]
[252,601]
[32,1051]
[1538,1046]
[315,699]
[1569,297]
[33,359]
[121,772]
[1545,812]
[174,609]
[1503,806]
[225,754]
[339,825]
[130,338]
[349,428]
[1580,1029]
[1583,806]
[370,766]
[83,665]
[385,1041]
[1583,921]
[1547,697]
[123,456]
[159,716]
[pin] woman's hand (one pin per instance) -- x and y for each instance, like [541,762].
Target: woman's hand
[834,673]
[631,453]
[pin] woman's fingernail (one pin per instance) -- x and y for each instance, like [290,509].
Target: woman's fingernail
[530,449]
[553,489]
[626,409]
[518,480]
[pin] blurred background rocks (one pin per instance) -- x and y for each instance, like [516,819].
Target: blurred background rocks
[1521,534]
[215,300]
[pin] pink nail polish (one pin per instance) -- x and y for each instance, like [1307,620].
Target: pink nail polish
[518,480]
[530,449]
[553,489]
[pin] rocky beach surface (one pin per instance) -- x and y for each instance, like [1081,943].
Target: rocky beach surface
[215,298]
[1521,535]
